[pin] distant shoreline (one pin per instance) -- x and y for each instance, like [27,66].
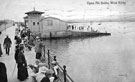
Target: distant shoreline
[88,21]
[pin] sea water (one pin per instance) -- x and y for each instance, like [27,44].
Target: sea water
[99,59]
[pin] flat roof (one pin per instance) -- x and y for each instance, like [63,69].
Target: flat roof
[53,18]
[34,12]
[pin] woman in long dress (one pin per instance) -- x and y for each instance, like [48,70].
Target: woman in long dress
[22,66]
[17,50]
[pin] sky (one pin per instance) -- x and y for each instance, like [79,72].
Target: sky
[69,9]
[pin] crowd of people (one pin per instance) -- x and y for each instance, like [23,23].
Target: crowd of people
[21,39]
[40,71]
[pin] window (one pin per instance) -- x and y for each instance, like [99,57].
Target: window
[33,23]
[37,23]
[49,22]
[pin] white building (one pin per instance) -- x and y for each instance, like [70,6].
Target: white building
[48,26]
[33,20]
[54,26]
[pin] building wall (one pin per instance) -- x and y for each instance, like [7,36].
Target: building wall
[46,25]
[34,24]
[53,25]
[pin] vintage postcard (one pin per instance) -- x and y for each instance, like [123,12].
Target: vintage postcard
[67,40]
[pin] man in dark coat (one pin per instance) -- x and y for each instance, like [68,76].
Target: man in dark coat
[3,73]
[22,66]
[7,44]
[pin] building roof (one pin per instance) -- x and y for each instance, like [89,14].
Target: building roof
[34,12]
[53,18]
[26,17]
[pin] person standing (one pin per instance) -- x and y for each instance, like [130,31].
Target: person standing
[28,34]
[38,49]
[31,40]
[3,73]
[17,39]
[16,53]
[0,51]
[7,44]
[22,65]
[55,69]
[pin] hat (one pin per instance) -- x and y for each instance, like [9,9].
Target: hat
[49,72]
[37,37]
[26,37]
[53,62]
[43,69]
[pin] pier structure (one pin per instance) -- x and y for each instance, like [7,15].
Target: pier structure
[55,28]
[11,65]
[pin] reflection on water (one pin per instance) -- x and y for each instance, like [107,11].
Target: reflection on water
[100,59]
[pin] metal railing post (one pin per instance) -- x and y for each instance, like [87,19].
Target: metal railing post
[44,51]
[64,72]
[49,58]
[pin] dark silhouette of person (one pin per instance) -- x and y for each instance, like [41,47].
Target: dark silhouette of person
[3,73]
[22,65]
[28,34]
[7,44]
[23,34]
[18,39]
[16,53]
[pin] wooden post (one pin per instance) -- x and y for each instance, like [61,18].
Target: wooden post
[64,72]
[49,58]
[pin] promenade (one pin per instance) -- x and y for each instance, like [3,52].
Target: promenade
[9,60]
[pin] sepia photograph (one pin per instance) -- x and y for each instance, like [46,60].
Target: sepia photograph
[67,40]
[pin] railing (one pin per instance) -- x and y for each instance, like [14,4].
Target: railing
[63,76]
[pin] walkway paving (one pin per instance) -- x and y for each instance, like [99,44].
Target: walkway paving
[9,60]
